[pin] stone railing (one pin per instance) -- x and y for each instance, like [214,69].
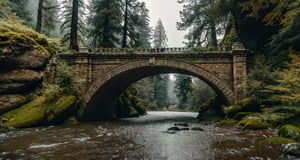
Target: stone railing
[174,50]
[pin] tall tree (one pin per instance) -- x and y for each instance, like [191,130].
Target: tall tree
[5,9]
[183,88]
[135,24]
[19,7]
[161,90]
[204,19]
[105,22]
[73,25]
[160,38]
[46,16]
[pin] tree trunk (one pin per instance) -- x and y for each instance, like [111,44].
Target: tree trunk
[74,26]
[125,27]
[39,17]
[213,34]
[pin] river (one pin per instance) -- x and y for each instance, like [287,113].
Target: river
[146,138]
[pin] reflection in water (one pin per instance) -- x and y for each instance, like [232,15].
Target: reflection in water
[137,138]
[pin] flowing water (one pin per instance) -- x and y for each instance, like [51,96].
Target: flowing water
[146,137]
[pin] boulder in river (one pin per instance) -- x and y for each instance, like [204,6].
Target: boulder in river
[289,131]
[40,111]
[290,151]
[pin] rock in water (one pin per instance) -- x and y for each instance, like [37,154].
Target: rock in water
[290,151]
[182,124]
[173,129]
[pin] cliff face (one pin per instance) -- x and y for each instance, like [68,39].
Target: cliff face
[23,57]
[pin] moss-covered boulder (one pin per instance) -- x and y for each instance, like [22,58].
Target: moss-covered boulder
[40,111]
[289,131]
[129,105]
[245,105]
[253,123]
[213,107]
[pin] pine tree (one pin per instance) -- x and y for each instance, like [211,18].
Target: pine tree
[160,38]
[105,22]
[204,19]
[183,88]
[73,26]
[47,15]
[161,90]
[135,24]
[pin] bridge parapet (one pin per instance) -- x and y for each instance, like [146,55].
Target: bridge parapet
[173,50]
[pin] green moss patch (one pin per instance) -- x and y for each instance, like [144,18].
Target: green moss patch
[289,131]
[19,36]
[278,140]
[41,110]
[253,123]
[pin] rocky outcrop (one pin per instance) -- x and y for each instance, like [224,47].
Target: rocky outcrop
[23,57]
[14,81]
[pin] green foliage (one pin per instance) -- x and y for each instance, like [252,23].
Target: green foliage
[5,9]
[19,7]
[65,78]
[204,19]
[286,15]
[105,23]
[73,26]
[259,81]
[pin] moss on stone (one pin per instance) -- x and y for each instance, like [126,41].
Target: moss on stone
[278,140]
[245,105]
[13,35]
[289,131]
[72,120]
[41,110]
[133,112]
[59,109]
[253,123]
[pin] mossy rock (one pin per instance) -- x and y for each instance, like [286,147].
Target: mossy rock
[289,131]
[139,106]
[72,120]
[278,140]
[133,112]
[233,110]
[245,105]
[61,110]
[240,115]
[39,111]
[253,123]
[276,119]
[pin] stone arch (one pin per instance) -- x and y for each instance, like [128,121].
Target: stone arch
[98,100]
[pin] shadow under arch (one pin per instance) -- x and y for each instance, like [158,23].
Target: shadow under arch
[101,97]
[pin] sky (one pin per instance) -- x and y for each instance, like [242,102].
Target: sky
[168,12]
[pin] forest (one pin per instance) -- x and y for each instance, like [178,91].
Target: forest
[269,29]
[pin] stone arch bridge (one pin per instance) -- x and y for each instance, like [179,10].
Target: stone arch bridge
[105,73]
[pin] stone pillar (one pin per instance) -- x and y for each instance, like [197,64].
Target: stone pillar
[239,54]
[83,72]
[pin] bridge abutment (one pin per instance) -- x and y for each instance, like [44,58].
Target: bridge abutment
[239,54]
